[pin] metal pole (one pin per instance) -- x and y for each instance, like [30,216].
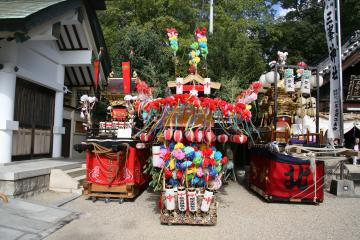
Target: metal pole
[341,142]
[317,107]
[275,100]
[211,17]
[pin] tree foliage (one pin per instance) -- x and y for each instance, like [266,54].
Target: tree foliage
[247,35]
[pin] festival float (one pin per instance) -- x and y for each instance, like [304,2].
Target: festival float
[287,161]
[114,159]
[188,131]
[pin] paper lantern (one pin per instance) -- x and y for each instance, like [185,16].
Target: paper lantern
[222,138]
[206,201]
[178,135]
[190,135]
[270,77]
[289,80]
[305,83]
[144,137]
[169,198]
[199,135]
[182,203]
[313,81]
[155,155]
[192,199]
[168,134]
[239,138]
[210,136]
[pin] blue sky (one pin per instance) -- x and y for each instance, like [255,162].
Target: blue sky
[280,12]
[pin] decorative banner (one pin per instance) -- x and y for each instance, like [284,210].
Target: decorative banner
[305,83]
[207,86]
[96,72]
[289,80]
[333,37]
[126,76]
[179,85]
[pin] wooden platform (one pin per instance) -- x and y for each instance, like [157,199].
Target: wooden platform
[124,191]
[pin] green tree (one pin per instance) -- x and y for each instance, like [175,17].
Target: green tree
[235,48]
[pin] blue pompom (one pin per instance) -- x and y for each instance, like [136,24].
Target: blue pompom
[218,155]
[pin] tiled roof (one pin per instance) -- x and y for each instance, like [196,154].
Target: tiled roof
[12,9]
[351,46]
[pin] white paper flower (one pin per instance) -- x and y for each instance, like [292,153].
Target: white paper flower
[82,115]
[134,98]
[84,98]
[194,92]
[109,108]
[128,98]
[92,99]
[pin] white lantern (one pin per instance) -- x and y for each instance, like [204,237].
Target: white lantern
[182,203]
[170,198]
[313,81]
[298,85]
[179,85]
[270,77]
[206,201]
[192,199]
[289,80]
[305,83]
[155,155]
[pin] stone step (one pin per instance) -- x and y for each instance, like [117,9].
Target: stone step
[75,172]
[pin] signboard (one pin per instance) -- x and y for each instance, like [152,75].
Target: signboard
[334,46]
[354,89]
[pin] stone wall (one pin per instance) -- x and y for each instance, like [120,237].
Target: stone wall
[25,187]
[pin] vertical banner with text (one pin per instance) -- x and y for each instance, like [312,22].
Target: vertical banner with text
[334,46]
[126,76]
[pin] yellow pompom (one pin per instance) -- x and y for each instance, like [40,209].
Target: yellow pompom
[248,107]
[179,145]
[172,164]
[193,54]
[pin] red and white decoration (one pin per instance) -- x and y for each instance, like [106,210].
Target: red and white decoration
[144,137]
[168,134]
[239,138]
[179,85]
[210,136]
[199,135]
[190,135]
[222,138]
[207,86]
[178,135]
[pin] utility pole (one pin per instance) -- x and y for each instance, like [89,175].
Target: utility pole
[211,17]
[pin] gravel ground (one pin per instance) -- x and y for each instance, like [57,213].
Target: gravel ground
[241,215]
